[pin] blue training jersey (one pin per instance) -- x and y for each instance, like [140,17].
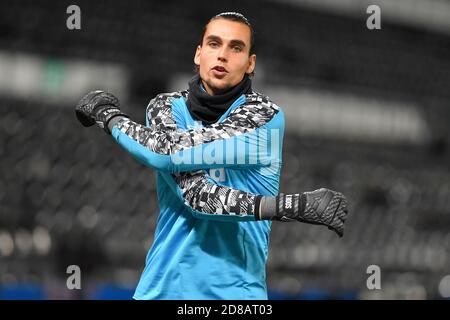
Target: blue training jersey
[207,243]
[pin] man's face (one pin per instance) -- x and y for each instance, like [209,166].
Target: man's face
[223,56]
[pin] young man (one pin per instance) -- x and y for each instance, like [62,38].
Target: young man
[212,237]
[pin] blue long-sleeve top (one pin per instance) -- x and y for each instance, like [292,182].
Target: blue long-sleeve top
[208,180]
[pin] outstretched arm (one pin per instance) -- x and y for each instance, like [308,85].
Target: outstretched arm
[208,200]
[248,137]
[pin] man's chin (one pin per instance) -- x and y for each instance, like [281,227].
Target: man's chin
[219,88]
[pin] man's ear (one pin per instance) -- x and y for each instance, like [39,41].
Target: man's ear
[198,52]
[251,64]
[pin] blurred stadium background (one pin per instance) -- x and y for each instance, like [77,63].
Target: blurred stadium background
[367,114]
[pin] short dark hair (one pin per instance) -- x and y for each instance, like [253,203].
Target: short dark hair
[237,17]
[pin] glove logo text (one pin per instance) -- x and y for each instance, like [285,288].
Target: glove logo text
[288,204]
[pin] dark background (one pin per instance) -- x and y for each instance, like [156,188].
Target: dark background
[367,114]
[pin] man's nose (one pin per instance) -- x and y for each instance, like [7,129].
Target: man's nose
[223,54]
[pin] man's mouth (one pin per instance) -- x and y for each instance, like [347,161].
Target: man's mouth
[220,69]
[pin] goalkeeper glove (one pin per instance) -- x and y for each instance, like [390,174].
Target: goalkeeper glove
[98,107]
[322,206]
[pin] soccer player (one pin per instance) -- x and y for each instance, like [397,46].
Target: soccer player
[216,148]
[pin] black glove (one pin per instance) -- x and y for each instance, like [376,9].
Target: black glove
[325,207]
[322,206]
[98,107]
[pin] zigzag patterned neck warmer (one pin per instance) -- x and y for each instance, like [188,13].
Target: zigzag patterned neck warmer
[208,109]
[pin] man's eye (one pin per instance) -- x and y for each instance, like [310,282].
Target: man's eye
[237,49]
[213,44]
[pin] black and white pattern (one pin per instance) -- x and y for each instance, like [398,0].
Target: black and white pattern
[199,193]
[206,197]
[158,136]
[256,112]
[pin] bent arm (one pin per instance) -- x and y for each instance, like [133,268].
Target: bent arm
[209,200]
[248,137]
[201,195]
[206,199]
